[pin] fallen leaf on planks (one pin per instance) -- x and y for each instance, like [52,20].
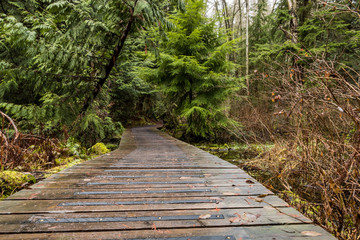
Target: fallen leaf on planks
[310,233]
[205,216]
[235,219]
[153,227]
[246,217]
[231,194]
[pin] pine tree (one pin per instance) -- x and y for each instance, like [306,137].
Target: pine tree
[193,71]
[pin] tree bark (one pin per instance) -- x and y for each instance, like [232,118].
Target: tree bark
[293,21]
[111,63]
[227,21]
[247,48]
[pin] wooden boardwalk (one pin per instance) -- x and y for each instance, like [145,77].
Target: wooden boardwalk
[152,187]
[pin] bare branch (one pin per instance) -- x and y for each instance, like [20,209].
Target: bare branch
[13,124]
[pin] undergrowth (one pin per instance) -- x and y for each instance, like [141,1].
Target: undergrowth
[314,123]
[26,159]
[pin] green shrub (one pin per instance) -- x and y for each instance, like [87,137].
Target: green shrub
[99,149]
[112,146]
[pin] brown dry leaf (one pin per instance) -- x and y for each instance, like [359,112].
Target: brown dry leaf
[235,219]
[33,195]
[310,233]
[249,217]
[205,216]
[231,194]
[153,226]
[249,181]
[259,199]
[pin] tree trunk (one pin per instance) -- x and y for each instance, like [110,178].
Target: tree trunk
[293,21]
[226,17]
[247,47]
[111,62]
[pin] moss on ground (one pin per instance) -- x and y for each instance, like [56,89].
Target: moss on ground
[99,149]
[12,181]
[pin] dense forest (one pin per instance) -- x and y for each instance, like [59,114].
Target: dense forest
[74,73]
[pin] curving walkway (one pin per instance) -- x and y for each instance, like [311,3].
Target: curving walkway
[152,187]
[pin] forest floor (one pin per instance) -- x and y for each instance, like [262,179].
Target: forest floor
[15,179]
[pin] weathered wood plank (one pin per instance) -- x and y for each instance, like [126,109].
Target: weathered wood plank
[130,204]
[80,193]
[68,221]
[176,179]
[278,232]
[86,184]
[91,170]
[153,176]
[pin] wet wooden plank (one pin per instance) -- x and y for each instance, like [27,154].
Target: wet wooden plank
[130,204]
[153,176]
[92,170]
[278,232]
[87,183]
[158,166]
[68,221]
[80,193]
[156,179]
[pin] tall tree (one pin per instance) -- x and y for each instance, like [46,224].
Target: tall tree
[194,72]
[247,47]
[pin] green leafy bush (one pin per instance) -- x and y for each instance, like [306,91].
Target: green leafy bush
[99,149]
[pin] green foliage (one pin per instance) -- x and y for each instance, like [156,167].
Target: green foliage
[54,54]
[99,149]
[330,36]
[74,148]
[194,73]
[132,97]
[111,146]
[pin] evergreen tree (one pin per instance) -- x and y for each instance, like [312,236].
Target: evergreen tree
[58,58]
[193,71]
